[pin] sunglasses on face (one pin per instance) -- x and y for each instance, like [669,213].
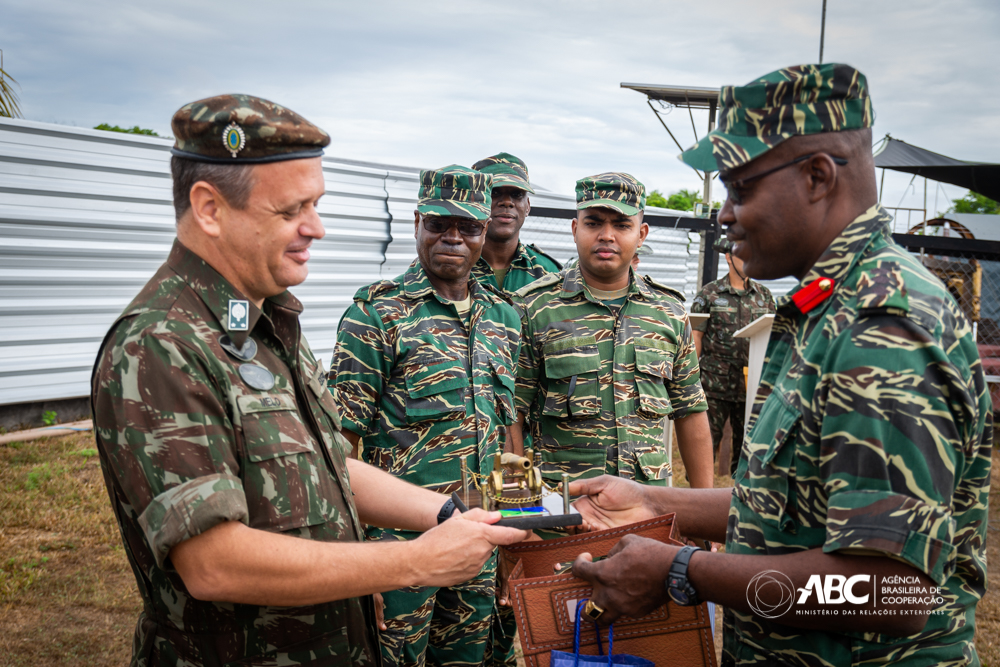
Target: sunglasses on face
[735,189]
[438,225]
[516,194]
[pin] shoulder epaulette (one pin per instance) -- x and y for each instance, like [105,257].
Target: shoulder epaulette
[669,290]
[369,292]
[882,288]
[544,281]
[559,266]
[500,294]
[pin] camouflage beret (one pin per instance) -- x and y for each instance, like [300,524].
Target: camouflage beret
[722,245]
[644,250]
[799,100]
[617,191]
[241,129]
[455,190]
[507,170]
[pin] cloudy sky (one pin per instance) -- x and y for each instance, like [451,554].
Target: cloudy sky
[427,84]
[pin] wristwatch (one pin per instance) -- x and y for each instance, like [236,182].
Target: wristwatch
[679,587]
[446,511]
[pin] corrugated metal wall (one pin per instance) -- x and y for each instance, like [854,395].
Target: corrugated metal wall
[86,218]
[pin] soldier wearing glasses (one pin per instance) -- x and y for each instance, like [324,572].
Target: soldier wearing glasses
[424,376]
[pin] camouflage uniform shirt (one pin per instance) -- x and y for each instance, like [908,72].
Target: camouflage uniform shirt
[871,432]
[420,385]
[598,384]
[185,444]
[722,356]
[529,264]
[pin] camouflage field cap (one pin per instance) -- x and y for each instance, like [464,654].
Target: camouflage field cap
[507,170]
[615,190]
[242,129]
[799,100]
[455,190]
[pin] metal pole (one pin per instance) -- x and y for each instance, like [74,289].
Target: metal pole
[681,148]
[881,187]
[707,194]
[822,33]
[565,493]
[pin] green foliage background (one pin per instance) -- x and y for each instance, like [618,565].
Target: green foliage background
[126,130]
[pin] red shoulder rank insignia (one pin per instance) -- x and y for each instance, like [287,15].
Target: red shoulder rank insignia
[813,294]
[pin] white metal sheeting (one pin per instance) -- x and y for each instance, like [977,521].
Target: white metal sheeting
[86,218]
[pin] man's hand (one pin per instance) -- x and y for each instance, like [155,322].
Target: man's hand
[610,502]
[456,550]
[629,582]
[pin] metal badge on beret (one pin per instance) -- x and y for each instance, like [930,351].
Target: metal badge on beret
[242,129]
[798,100]
[257,377]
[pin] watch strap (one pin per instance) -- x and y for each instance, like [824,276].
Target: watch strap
[447,510]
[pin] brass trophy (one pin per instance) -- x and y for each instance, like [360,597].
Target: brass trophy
[515,488]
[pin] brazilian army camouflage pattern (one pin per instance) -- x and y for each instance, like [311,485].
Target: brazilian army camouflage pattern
[597,387]
[722,356]
[185,445]
[871,431]
[529,264]
[271,131]
[799,100]
[455,191]
[618,191]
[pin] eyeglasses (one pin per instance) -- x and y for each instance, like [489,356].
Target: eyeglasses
[733,187]
[516,194]
[436,224]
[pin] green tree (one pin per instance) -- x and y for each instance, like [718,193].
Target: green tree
[9,107]
[974,203]
[126,130]
[656,198]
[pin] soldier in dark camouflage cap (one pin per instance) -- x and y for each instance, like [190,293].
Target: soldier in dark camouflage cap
[862,485]
[424,369]
[731,302]
[219,442]
[607,356]
[509,265]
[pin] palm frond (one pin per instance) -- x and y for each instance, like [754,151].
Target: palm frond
[9,106]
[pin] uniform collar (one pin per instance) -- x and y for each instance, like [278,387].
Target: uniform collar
[216,292]
[843,254]
[521,260]
[573,283]
[417,285]
[725,285]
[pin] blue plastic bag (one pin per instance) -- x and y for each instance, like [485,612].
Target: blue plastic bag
[574,659]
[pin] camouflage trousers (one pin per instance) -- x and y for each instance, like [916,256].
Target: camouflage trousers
[441,626]
[718,412]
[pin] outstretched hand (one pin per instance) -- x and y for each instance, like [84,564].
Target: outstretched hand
[609,502]
[630,581]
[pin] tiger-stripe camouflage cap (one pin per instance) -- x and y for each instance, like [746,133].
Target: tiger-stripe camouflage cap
[799,100]
[507,171]
[242,129]
[615,190]
[455,190]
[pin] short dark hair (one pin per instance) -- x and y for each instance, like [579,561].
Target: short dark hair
[233,181]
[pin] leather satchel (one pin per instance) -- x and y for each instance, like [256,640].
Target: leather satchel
[545,603]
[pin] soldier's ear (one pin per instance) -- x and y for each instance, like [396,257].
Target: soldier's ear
[208,209]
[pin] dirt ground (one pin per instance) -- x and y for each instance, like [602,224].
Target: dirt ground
[67,595]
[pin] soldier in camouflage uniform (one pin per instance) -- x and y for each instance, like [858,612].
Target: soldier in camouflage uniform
[424,370]
[868,452]
[732,302]
[509,265]
[506,263]
[607,355]
[218,439]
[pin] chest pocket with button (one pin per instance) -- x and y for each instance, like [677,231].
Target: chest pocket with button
[436,386]
[767,473]
[572,368]
[281,473]
[503,391]
[654,364]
